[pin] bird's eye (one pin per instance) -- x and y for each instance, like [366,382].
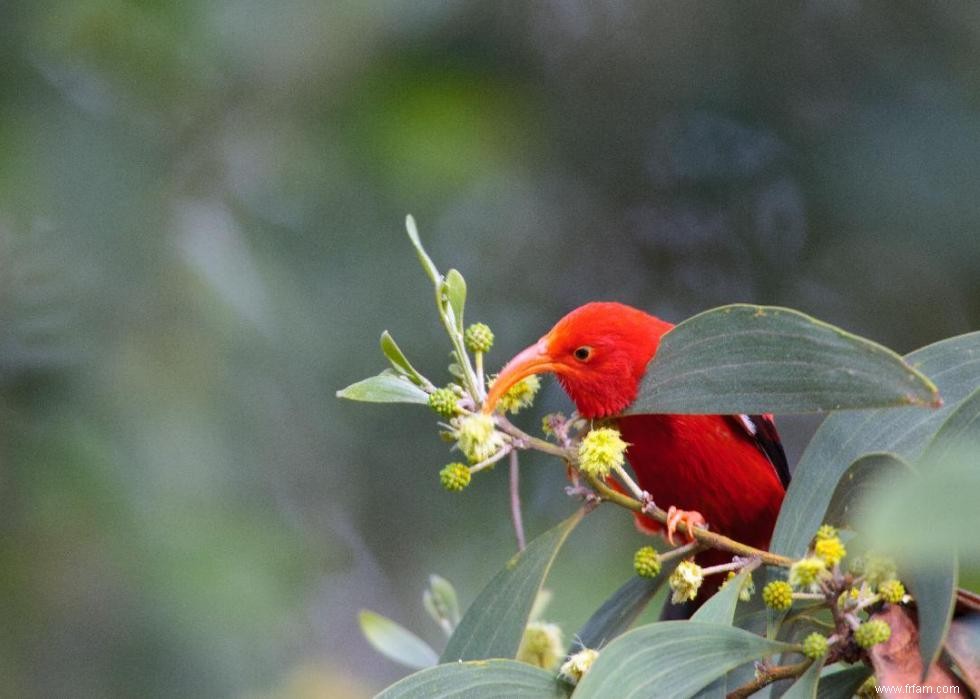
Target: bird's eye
[584,353]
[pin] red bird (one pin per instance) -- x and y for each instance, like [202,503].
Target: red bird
[727,470]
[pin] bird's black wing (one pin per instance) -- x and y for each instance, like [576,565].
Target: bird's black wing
[762,431]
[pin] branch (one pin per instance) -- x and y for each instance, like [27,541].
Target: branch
[767,676]
[708,538]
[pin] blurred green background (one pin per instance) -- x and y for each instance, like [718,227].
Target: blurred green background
[201,238]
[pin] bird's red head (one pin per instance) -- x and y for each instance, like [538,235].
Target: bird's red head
[599,353]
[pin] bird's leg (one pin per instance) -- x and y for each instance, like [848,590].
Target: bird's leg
[690,518]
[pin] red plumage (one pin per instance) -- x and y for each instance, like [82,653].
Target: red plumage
[731,469]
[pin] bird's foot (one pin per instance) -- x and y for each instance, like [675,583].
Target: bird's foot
[690,518]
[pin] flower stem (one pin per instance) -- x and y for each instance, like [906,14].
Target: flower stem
[767,676]
[515,500]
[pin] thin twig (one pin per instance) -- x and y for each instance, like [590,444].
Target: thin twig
[515,501]
[767,676]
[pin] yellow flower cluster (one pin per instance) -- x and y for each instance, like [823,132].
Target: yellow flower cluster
[685,581]
[601,451]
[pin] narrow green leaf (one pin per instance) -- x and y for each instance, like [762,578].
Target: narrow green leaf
[441,602]
[933,586]
[805,686]
[720,607]
[384,388]
[671,659]
[427,264]
[844,437]
[479,679]
[396,642]
[764,359]
[859,482]
[494,624]
[398,359]
[620,611]
[455,289]
[842,682]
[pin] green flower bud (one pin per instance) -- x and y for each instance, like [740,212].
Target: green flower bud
[778,595]
[815,646]
[443,401]
[646,562]
[478,337]
[878,569]
[872,632]
[600,451]
[892,591]
[454,477]
[685,581]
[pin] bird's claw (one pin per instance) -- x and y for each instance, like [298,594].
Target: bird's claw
[690,519]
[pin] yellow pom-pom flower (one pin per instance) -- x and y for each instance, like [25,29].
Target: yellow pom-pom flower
[541,645]
[454,477]
[830,550]
[806,572]
[892,591]
[477,437]
[872,632]
[575,668]
[815,646]
[685,581]
[518,396]
[601,451]
[646,562]
[478,338]
[826,531]
[778,595]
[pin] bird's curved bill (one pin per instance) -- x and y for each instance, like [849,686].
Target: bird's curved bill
[533,360]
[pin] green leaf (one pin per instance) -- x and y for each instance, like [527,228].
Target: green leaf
[427,264]
[933,586]
[764,359]
[480,679]
[494,624]
[671,659]
[720,607]
[861,480]
[441,602]
[805,686]
[398,359]
[842,682]
[455,289]
[396,642]
[384,388]
[620,611]
[844,437]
